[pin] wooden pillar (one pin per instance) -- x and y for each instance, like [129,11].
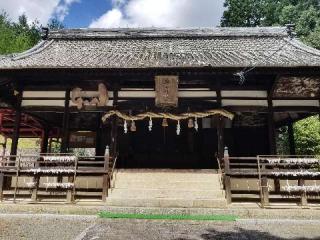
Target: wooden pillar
[220,134]
[271,129]
[272,137]
[65,124]
[45,140]
[114,126]
[292,146]
[100,143]
[220,125]
[17,123]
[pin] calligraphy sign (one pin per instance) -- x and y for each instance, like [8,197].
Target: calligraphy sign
[166,91]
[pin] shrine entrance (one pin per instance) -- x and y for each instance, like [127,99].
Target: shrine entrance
[164,148]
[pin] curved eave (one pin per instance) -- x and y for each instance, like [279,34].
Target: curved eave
[43,45]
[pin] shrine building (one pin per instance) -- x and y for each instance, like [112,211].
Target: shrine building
[153,101]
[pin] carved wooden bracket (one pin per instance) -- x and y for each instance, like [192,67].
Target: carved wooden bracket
[83,98]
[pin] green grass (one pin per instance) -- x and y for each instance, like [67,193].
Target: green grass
[228,218]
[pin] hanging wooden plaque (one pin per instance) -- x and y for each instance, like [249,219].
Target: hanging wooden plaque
[166,91]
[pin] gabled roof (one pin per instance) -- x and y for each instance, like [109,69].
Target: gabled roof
[166,48]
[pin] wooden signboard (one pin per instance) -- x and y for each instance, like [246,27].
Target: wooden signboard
[82,140]
[166,91]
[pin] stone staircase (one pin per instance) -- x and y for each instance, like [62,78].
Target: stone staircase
[166,188]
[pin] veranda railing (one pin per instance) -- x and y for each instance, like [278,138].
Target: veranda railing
[57,165]
[291,176]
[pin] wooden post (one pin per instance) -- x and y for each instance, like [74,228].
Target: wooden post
[34,194]
[106,178]
[114,126]
[17,123]
[304,200]
[36,178]
[272,137]
[99,137]
[292,146]
[45,140]
[1,185]
[65,124]
[70,190]
[65,127]
[271,129]
[15,135]
[264,192]
[227,178]
[220,134]
[227,185]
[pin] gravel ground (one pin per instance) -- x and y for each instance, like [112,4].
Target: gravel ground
[47,227]
[42,226]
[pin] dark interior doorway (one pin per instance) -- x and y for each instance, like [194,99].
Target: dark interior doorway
[163,148]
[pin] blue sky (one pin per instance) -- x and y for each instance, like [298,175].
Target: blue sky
[119,13]
[81,14]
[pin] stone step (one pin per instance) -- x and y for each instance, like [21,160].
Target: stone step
[165,193]
[181,185]
[167,177]
[166,203]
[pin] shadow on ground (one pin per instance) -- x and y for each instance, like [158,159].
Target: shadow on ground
[243,234]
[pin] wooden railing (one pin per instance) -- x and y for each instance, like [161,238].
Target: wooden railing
[278,169]
[52,165]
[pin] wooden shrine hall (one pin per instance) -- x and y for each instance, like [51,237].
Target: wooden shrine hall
[194,100]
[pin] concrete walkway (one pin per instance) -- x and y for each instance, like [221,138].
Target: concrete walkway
[241,210]
[88,227]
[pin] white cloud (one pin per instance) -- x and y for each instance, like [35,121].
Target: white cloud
[41,10]
[161,13]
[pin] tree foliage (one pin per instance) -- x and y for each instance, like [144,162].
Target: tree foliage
[20,36]
[305,14]
[307,136]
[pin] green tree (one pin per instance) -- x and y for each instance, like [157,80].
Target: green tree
[307,136]
[19,36]
[305,14]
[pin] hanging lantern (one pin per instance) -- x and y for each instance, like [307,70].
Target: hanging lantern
[165,123]
[133,127]
[178,128]
[190,123]
[150,124]
[196,126]
[125,126]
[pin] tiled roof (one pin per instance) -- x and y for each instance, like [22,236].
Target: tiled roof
[165,48]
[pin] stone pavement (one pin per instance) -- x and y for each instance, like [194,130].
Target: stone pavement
[79,221]
[88,227]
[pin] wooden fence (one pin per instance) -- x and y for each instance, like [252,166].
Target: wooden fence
[63,171]
[279,179]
